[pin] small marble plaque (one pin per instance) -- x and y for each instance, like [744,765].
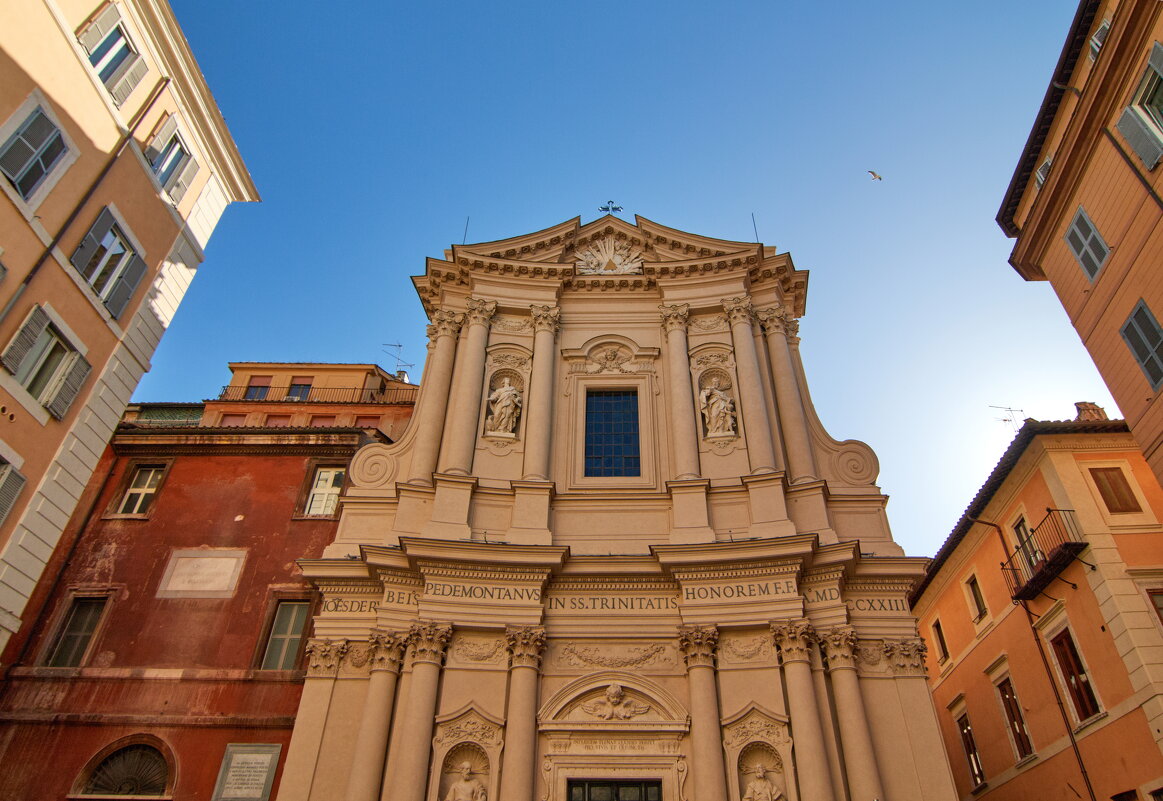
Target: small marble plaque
[247,772]
[202,573]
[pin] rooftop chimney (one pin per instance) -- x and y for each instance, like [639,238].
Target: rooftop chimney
[1089,411]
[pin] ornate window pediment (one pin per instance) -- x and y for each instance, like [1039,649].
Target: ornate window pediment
[613,700]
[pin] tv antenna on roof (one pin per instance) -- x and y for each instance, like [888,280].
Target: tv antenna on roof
[1011,416]
[396,352]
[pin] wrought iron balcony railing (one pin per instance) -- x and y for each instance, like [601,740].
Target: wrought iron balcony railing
[1043,554]
[301,393]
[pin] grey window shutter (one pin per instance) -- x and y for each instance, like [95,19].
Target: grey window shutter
[25,338]
[129,79]
[91,240]
[156,145]
[1156,60]
[92,36]
[11,482]
[185,178]
[1141,137]
[69,388]
[126,284]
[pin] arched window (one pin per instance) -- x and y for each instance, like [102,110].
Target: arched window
[131,768]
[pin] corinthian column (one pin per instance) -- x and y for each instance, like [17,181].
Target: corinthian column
[539,405]
[465,413]
[795,639]
[777,324]
[525,646]
[698,651]
[859,757]
[755,421]
[385,649]
[683,424]
[427,642]
[437,379]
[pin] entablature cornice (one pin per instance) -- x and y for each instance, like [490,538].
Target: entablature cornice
[473,572]
[639,584]
[757,551]
[739,570]
[221,441]
[486,555]
[334,570]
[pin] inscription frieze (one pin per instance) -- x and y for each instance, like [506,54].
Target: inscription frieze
[612,603]
[481,592]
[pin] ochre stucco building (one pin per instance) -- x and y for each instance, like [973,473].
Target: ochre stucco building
[1047,672]
[615,555]
[115,167]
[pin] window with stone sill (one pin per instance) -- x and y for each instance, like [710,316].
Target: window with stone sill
[31,154]
[11,483]
[1116,492]
[1015,720]
[611,433]
[976,600]
[109,262]
[76,631]
[325,489]
[112,54]
[138,496]
[1141,123]
[134,767]
[969,745]
[1075,676]
[46,363]
[1144,338]
[939,641]
[284,638]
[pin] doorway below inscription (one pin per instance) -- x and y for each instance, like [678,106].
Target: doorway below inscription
[587,790]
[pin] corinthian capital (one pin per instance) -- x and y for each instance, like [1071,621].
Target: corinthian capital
[840,647]
[738,310]
[480,312]
[698,645]
[906,657]
[323,656]
[795,639]
[525,645]
[545,318]
[773,319]
[385,650]
[445,323]
[428,641]
[675,317]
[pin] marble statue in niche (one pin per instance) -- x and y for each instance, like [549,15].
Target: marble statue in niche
[761,788]
[614,705]
[466,788]
[504,409]
[718,409]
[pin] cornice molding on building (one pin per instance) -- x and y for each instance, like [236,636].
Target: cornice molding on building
[346,570]
[194,97]
[799,546]
[630,584]
[495,555]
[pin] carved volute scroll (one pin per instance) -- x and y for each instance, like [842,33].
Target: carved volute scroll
[675,317]
[840,646]
[738,310]
[427,641]
[795,639]
[698,645]
[324,656]
[545,318]
[906,657]
[444,324]
[479,312]
[525,646]
[385,650]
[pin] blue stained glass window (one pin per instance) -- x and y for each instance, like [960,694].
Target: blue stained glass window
[612,433]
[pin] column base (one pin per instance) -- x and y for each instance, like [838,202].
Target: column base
[689,521]
[769,516]
[450,507]
[530,524]
[808,507]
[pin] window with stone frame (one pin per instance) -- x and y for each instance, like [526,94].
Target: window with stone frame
[1015,720]
[611,433]
[326,487]
[969,745]
[1075,676]
[284,639]
[1116,492]
[76,631]
[141,490]
[46,363]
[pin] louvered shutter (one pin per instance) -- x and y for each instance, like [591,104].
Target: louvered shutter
[92,36]
[25,338]
[185,178]
[91,240]
[69,388]
[11,482]
[134,70]
[1156,60]
[124,287]
[153,150]
[1140,136]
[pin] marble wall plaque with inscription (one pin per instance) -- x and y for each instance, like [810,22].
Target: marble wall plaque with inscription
[202,573]
[247,772]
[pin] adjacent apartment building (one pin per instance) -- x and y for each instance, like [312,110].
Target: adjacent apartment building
[1042,615]
[116,166]
[165,643]
[1085,204]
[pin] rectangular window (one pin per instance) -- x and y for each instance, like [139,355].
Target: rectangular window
[1086,244]
[1157,602]
[142,489]
[1074,673]
[107,261]
[76,633]
[1043,173]
[976,598]
[258,387]
[30,154]
[939,637]
[1014,718]
[976,772]
[1144,337]
[367,421]
[1126,795]
[325,489]
[300,389]
[1115,490]
[11,483]
[45,363]
[1098,38]
[171,160]
[586,790]
[112,55]
[279,420]
[322,420]
[611,439]
[1027,546]
[232,420]
[286,636]
[1141,122]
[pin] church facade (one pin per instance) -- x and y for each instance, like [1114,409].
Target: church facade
[615,556]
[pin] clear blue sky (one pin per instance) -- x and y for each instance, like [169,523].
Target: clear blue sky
[373,129]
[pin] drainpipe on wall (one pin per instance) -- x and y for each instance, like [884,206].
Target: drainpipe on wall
[1045,666]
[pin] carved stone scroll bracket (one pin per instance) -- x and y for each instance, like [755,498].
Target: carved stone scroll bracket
[324,656]
[840,647]
[698,645]
[428,640]
[796,639]
[906,657]
[525,646]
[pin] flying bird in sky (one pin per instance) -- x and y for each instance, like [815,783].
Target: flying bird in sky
[875,176]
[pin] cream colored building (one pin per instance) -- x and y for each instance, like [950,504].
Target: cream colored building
[115,167]
[615,555]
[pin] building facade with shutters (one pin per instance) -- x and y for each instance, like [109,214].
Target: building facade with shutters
[116,166]
[1086,201]
[1042,615]
[165,642]
[615,555]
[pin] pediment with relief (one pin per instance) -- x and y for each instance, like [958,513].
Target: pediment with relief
[613,700]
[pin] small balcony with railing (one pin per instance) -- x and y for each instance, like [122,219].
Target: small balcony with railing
[305,393]
[1043,553]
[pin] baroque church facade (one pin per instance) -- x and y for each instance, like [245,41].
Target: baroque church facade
[615,556]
